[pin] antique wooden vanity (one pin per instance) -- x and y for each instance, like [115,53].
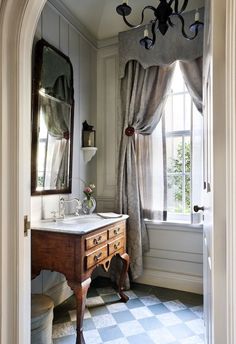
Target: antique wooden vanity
[75,248]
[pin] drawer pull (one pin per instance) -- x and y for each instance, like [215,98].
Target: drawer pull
[97,256]
[116,231]
[97,240]
[116,245]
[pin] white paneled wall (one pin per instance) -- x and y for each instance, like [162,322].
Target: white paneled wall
[175,258]
[107,119]
[59,32]
[55,29]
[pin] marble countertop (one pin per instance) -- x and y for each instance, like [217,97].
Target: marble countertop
[77,224]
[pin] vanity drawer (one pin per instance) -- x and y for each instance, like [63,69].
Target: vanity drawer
[95,240]
[115,245]
[96,256]
[115,230]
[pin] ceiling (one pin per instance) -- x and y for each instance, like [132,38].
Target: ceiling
[102,21]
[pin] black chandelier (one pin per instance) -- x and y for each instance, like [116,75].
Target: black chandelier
[162,20]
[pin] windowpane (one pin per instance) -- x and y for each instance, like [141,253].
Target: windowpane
[187,208]
[169,115]
[178,112]
[188,111]
[174,193]
[187,154]
[174,150]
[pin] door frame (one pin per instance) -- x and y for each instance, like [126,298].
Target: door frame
[18,21]
[230,115]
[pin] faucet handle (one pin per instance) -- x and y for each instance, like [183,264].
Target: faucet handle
[54,217]
[62,207]
[78,206]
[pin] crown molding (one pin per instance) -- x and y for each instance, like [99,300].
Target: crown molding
[103,43]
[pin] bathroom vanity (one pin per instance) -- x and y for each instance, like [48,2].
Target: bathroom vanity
[75,247]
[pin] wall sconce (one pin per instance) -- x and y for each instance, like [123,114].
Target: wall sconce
[88,135]
[89,148]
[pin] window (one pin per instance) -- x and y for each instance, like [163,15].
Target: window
[177,156]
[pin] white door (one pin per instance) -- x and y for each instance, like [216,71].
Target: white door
[214,174]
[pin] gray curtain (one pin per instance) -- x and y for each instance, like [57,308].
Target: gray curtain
[192,73]
[142,100]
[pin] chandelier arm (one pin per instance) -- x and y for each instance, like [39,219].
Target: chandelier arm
[153,33]
[171,2]
[142,17]
[183,8]
[176,6]
[183,30]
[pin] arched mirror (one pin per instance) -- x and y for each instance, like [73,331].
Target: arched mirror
[52,121]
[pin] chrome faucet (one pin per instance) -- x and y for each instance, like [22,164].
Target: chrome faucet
[62,206]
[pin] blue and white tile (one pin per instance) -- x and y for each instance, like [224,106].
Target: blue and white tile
[103,320]
[94,301]
[161,336]
[192,340]
[62,330]
[175,305]
[123,316]
[197,326]
[168,319]
[181,331]
[131,328]
[92,337]
[117,307]
[141,312]
[65,340]
[198,310]
[149,300]
[110,333]
[131,294]
[122,340]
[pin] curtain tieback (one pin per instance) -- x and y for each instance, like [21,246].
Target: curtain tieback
[129,131]
[66,135]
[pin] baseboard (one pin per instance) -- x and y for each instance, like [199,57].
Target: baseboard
[59,293]
[193,284]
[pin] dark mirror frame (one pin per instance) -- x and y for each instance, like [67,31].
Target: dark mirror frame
[37,70]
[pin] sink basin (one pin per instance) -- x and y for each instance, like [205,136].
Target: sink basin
[80,220]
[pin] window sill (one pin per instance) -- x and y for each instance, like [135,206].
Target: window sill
[178,226]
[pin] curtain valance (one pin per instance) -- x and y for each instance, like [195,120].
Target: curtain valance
[169,48]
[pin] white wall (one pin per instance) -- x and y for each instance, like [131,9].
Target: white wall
[58,31]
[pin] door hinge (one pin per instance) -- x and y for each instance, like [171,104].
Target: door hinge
[26,225]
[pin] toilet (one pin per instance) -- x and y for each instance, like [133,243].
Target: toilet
[41,319]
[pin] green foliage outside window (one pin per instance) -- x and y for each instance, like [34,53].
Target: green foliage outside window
[175,178]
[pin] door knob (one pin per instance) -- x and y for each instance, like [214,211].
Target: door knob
[196,208]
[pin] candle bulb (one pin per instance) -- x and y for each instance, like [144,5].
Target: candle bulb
[146,32]
[197,16]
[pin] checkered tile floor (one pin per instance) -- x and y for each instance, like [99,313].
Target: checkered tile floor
[152,315]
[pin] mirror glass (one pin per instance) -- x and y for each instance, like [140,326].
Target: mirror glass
[52,122]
